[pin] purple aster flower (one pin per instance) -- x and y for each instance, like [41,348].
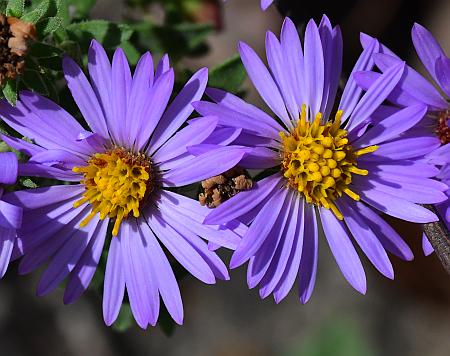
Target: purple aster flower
[123,171]
[413,89]
[264,4]
[10,215]
[338,172]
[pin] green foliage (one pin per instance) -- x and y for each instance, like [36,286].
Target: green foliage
[10,91]
[125,319]
[15,8]
[228,76]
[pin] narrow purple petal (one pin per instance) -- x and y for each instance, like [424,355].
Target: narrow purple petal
[8,167]
[39,170]
[10,216]
[366,239]
[180,109]
[392,126]
[427,248]
[259,230]
[352,92]
[310,255]
[443,73]
[246,201]
[162,67]
[7,238]
[343,250]
[206,165]
[167,283]
[81,276]
[427,48]
[375,96]
[314,67]
[114,285]
[85,97]
[263,82]
[22,146]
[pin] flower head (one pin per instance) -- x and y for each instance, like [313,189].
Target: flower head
[414,89]
[10,215]
[121,171]
[331,168]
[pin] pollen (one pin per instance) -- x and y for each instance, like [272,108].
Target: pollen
[319,162]
[117,183]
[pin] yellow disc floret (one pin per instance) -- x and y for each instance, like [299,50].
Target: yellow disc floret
[319,162]
[116,182]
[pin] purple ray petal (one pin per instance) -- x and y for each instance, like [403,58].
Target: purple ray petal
[140,91]
[114,285]
[61,158]
[100,73]
[22,146]
[259,230]
[277,66]
[66,258]
[392,126]
[293,55]
[402,168]
[238,105]
[223,136]
[264,258]
[412,82]
[180,109]
[376,94]
[190,135]
[120,94]
[7,238]
[85,97]
[10,216]
[394,206]
[39,170]
[246,201]
[263,81]
[343,250]
[183,252]
[314,67]
[167,283]
[352,92]
[427,48]
[8,167]
[140,278]
[427,248]
[366,239]
[81,276]
[389,238]
[443,74]
[260,158]
[162,67]
[155,106]
[206,165]
[310,255]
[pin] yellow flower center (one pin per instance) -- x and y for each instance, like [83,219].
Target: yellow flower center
[318,161]
[116,183]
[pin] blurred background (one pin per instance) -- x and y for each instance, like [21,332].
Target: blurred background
[409,316]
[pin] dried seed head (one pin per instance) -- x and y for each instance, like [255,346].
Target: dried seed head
[219,189]
[15,37]
[443,129]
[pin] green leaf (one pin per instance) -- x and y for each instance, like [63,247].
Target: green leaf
[33,80]
[38,12]
[109,34]
[28,183]
[10,91]
[43,50]
[3,5]
[15,8]
[81,7]
[228,76]
[125,319]
[48,25]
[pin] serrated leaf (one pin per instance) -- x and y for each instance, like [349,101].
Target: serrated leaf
[228,76]
[125,319]
[38,12]
[48,25]
[109,34]
[15,8]
[10,91]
